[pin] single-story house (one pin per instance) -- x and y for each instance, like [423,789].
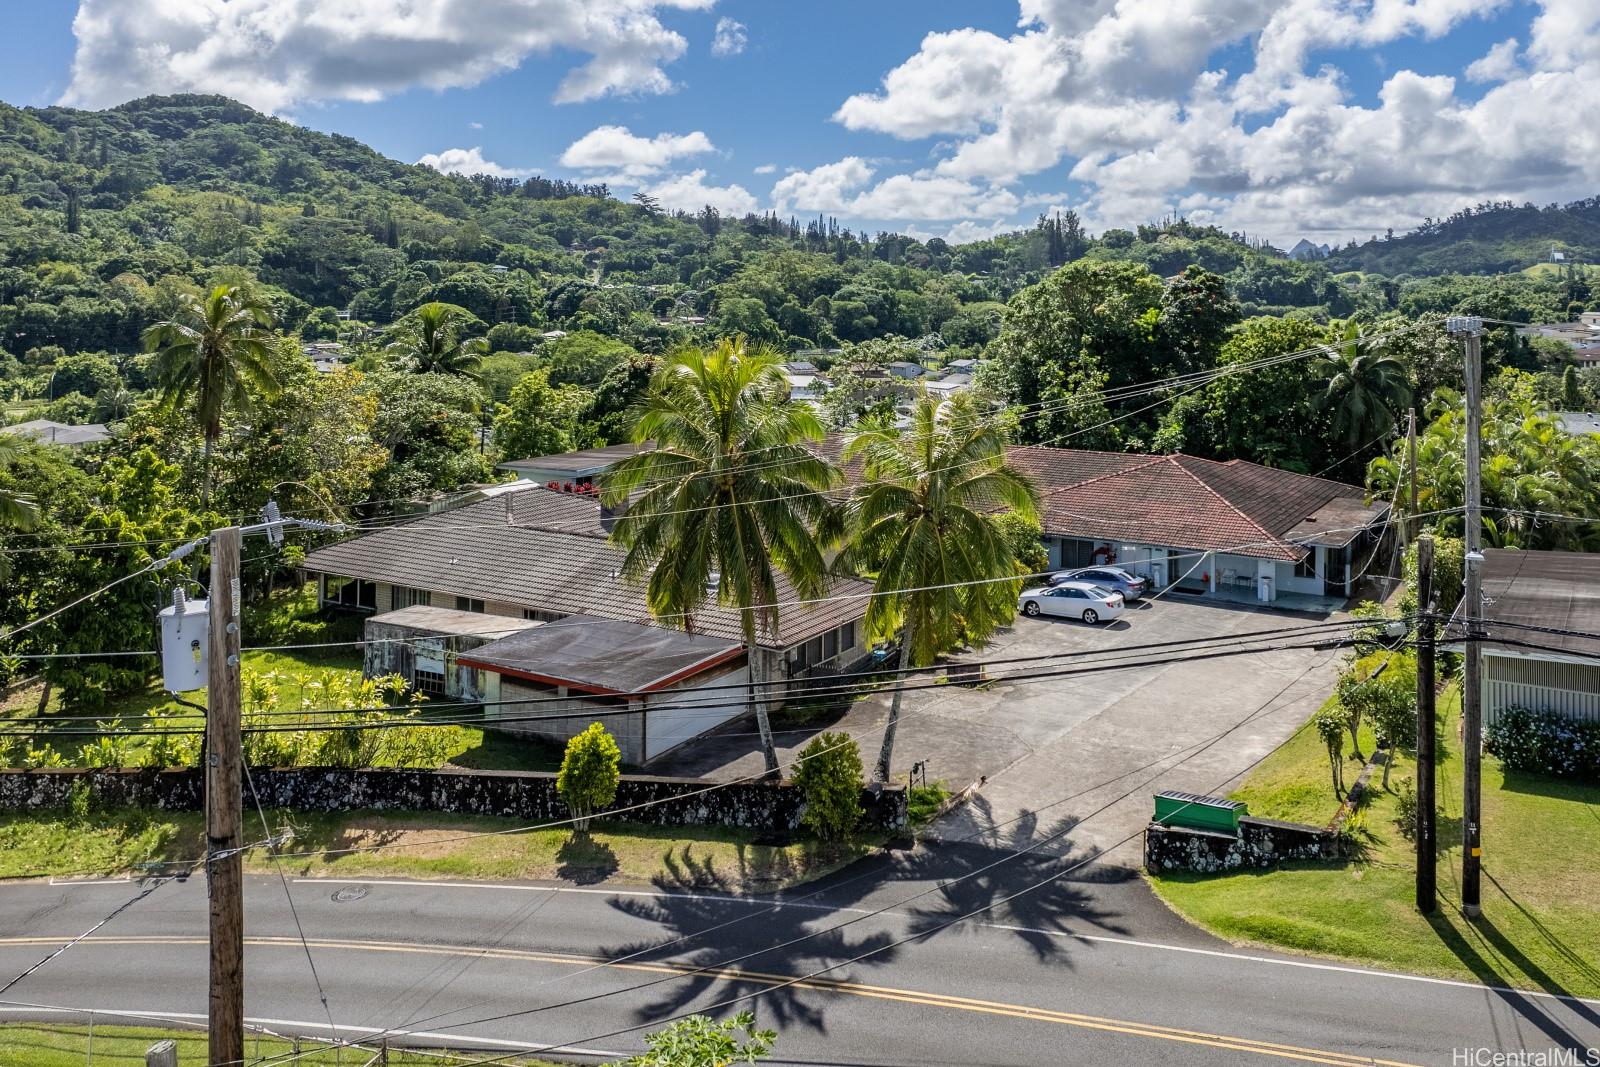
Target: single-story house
[421,643]
[806,387]
[1554,590]
[50,432]
[576,468]
[654,688]
[949,385]
[544,555]
[1236,529]
[901,368]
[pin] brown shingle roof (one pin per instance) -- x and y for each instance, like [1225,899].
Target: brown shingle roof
[1178,501]
[554,558]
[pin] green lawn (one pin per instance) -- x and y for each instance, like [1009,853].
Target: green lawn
[425,845]
[1541,917]
[49,1045]
[301,677]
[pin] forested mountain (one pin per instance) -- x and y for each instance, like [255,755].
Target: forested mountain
[1491,238]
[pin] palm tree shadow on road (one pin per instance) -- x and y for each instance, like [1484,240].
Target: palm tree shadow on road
[1032,883]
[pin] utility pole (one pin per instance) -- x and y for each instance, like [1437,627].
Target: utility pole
[1411,465]
[225,803]
[1427,820]
[1470,330]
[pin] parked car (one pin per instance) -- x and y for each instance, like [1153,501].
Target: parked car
[1074,600]
[1131,586]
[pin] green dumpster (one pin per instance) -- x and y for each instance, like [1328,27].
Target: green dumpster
[1199,812]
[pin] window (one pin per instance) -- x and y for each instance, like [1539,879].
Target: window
[406,597]
[430,682]
[467,603]
[349,592]
[1307,568]
[535,615]
[830,644]
[823,648]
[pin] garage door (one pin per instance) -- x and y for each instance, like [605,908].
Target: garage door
[684,714]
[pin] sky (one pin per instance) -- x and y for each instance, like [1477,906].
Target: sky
[1325,119]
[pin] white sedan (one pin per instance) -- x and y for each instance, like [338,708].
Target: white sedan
[1075,600]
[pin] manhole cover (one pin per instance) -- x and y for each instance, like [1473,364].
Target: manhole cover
[346,894]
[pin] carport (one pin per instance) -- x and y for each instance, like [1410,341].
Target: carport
[654,689]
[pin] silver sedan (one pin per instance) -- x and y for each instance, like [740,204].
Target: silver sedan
[1074,600]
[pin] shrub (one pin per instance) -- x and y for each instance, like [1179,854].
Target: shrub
[1406,811]
[589,773]
[700,1041]
[1546,742]
[829,776]
[1329,724]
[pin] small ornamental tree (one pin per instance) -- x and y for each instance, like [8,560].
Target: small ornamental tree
[829,776]
[1352,701]
[589,774]
[700,1041]
[1392,711]
[1330,725]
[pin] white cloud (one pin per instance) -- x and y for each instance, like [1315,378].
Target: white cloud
[689,192]
[474,125]
[846,187]
[1121,95]
[729,39]
[616,149]
[767,168]
[829,187]
[469,161]
[275,54]
[1497,65]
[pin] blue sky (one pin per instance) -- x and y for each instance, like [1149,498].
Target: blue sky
[1286,118]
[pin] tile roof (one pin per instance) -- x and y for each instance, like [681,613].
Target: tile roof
[1180,501]
[552,556]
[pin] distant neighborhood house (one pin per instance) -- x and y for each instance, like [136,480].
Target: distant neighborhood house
[50,432]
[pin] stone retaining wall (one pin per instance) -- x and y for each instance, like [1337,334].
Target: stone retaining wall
[528,796]
[1261,843]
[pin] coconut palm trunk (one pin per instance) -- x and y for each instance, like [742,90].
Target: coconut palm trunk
[760,706]
[902,663]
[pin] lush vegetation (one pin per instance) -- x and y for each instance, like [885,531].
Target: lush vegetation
[261,311]
[1546,742]
[1539,928]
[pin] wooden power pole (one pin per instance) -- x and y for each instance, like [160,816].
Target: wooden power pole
[1427,817]
[1471,330]
[1406,531]
[225,803]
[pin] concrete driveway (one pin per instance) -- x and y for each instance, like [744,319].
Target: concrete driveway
[1088,749]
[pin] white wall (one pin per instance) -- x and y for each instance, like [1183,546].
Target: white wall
[678,715]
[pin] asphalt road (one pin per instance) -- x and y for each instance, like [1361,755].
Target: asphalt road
[1088,969]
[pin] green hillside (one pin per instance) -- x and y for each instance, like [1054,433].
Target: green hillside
[1491,238]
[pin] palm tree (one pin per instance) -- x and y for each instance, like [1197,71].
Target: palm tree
[219,347]
[923,519]
[1367,388]
[729,498]
[114,402]
[430,339]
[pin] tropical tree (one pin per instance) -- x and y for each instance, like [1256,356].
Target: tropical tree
[1366,389]
[431,340]
[925,520]
[729,498]
[17,510]
[217,348]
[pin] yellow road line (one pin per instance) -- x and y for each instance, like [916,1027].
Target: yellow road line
[825,985]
